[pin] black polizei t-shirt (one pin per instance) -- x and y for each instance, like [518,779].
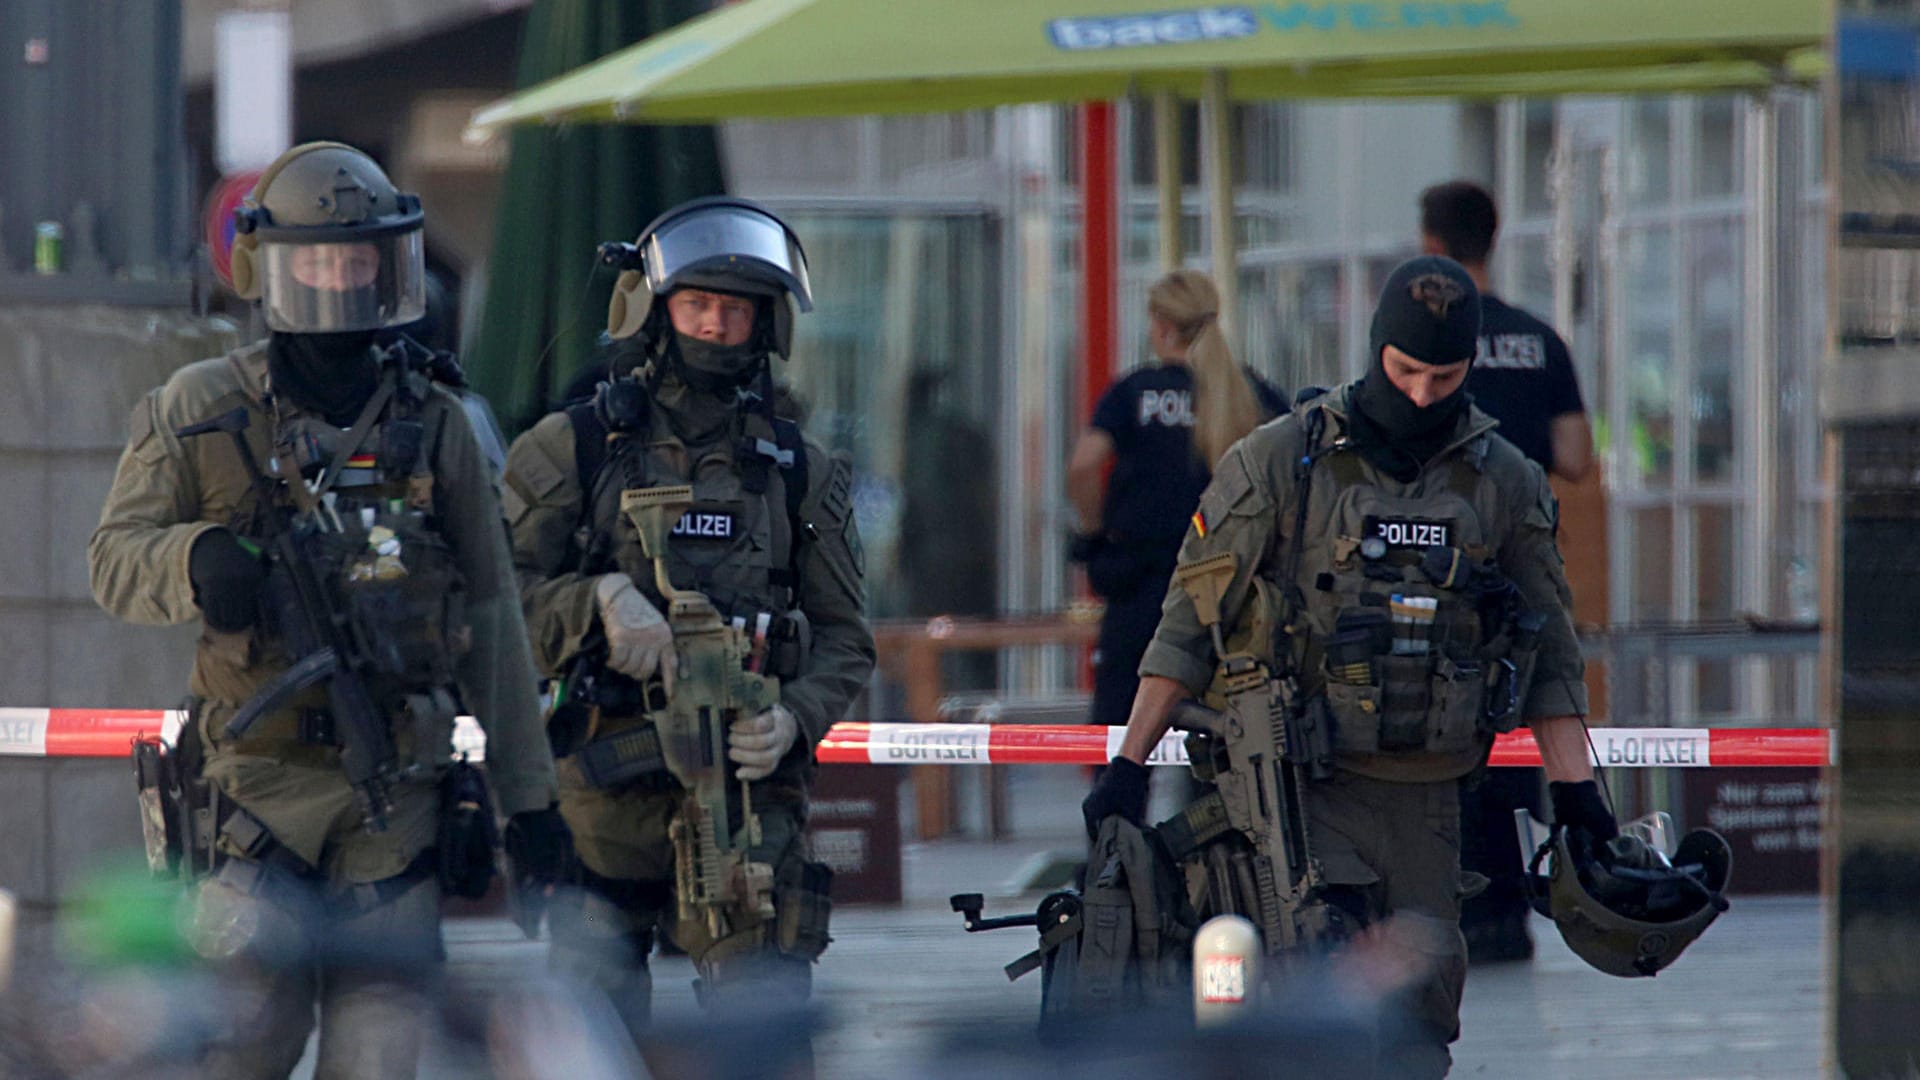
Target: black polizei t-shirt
[1157,477]
[1523,377]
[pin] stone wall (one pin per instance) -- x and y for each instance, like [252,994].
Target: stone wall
[69,376]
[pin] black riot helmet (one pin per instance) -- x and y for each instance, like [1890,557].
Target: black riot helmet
[327,244]
[721,244]
[1627,909]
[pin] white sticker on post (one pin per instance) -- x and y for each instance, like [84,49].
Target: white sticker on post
[928,744]
[1223,979]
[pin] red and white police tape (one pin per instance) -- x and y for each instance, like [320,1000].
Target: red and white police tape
[110,732]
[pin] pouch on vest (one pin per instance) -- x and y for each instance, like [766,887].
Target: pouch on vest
[803,902]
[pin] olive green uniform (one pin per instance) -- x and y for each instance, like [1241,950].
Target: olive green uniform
[768,561]
[1386,827]
[168,491]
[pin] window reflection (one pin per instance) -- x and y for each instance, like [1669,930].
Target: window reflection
[897,367]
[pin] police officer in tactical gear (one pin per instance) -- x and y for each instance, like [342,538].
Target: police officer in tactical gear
[321,893]
[1405,484]
[704,301]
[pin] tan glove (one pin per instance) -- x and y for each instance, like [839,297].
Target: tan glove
[639,643]
[757,743]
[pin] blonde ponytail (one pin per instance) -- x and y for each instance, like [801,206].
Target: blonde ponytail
[1224,409]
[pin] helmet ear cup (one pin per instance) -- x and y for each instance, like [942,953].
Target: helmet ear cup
[627,309]
[246,278]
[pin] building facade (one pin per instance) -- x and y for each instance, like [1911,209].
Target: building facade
[1676,242]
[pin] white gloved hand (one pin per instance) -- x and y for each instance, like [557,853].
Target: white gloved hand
[758,743]
[639,643]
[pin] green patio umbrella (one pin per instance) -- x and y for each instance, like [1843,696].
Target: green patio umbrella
[773,58]
[564,192]
[788,58]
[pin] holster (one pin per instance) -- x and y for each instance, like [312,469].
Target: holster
[159,820]
[803,905]
[179,810]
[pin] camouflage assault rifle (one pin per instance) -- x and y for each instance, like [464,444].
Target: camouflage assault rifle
[1121,941]
[716,882]
[1258,747]
[319,632]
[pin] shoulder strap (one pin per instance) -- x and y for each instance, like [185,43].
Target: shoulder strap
[787,437]
[589,454]
[589,445]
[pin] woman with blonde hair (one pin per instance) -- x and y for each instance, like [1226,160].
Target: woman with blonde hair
[1161,427]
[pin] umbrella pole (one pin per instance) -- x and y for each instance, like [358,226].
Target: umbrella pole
[1216,121]
[1166,173]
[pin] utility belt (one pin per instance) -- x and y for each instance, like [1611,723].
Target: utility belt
[309,735]
[184,818]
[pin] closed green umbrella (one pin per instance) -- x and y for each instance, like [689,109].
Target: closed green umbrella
[565,191]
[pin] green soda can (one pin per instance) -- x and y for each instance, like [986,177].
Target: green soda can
[47,237]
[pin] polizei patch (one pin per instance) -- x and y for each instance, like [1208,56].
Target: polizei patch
[705,525]
[1413,534]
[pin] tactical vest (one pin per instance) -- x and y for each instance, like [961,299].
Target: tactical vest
[1395,628]
[739,543]
[383,553]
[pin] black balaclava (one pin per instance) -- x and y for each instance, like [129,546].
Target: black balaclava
[1430,310]
[330,374]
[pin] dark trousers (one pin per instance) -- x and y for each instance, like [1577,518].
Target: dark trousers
[1490,844]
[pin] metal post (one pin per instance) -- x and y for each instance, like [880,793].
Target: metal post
[1166,174]
[1098,251]
[1216,129]
[1761,567]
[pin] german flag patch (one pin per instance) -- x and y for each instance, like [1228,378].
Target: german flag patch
[1200,523]
[361,461]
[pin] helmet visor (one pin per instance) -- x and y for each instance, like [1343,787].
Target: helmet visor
[326,288]
[728,249]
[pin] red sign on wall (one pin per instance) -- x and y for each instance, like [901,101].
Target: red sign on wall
[216,223]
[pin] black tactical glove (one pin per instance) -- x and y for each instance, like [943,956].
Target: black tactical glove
[539,850]
[1122,790]
[226,580]
[1582,812]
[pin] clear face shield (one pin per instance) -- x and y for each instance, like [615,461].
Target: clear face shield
[725,248]
[324,288]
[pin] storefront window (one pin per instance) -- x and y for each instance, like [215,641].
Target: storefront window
[1716,147]
[1292,321]
[898,367]
[1649,152]
[1713,279]
[1647,262]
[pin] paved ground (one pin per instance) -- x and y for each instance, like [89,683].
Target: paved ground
[905,993]
[1746,1001]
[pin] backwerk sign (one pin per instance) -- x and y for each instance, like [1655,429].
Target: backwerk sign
[1231,22]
